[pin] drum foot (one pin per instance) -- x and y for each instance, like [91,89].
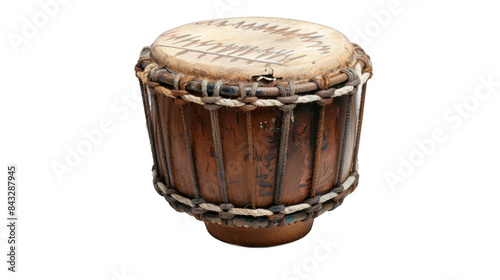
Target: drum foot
[259,237]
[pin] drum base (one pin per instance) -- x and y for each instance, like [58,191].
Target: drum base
[260,237]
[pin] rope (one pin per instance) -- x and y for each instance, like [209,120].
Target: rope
[147,112]
[317,153]
[219,157]
[323,82]
[360,122]
[190,152]
[344,138]
[285,95]
[229,102]
[252,174]
[277,215]
[179,92]
[252,217]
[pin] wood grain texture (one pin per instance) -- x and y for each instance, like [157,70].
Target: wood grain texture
[261,237]
[245,51]
[330,150]
[351,138]
[266,125]
[300,158]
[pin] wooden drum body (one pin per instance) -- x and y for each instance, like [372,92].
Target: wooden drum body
[254,123]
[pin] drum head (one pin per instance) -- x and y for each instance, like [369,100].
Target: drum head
[243,49]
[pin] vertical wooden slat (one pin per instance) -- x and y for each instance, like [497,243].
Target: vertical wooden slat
[163,152]
[317,152]
[147,113]
[187,136]
[345,136]
[360,123]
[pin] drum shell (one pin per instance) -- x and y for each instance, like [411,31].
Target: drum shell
[266,123]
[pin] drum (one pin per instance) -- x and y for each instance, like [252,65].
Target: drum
[254,123]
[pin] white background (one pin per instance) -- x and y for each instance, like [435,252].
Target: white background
[438,218]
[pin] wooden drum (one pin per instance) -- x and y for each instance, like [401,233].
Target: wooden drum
[254,123]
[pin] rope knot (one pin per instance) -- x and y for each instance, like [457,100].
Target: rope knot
[313,200]
[341,196]
[198,201]
[250,99]
[210,99]
[226,215]
[277,208]
[287,107]
[184,82]
[178,96]
[366,62]
[226,206]
[287,96]
[148,69]
[275,217]
[138,67]
[171,191]
[326,93]
[323,82]
[287,99]
[352,77]
[180,89]
[155,72]
[337,189]
[314,208]
[198,210]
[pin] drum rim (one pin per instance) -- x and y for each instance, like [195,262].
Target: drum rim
[187,88]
